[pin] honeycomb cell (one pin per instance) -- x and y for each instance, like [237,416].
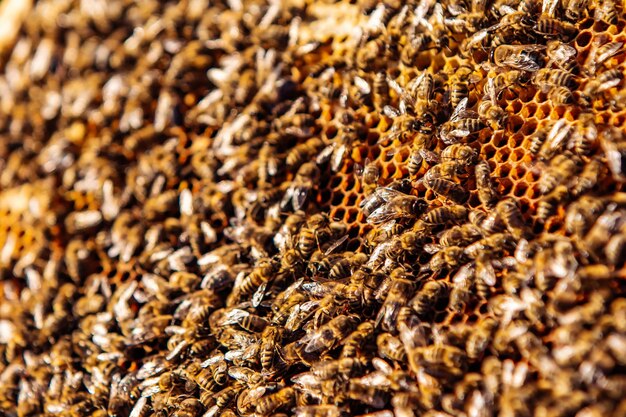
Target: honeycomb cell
[584,39]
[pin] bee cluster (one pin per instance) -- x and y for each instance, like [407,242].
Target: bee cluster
[250,208]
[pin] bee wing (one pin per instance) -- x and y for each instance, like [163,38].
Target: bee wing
[608,50]
[432,248]
[358,169]
[405,97]
[335,245]
[338,157]
[460,108]
[319,341]
[259,294]
[548,7]
[486,272]
[300,194]
[324,155]
[461,278]
[391,111]
[233,316]
[362,85]
[524,61]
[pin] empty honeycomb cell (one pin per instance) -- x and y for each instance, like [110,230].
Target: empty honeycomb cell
[517,155]
[502,170]
[528,110]
[360,154]
[520,189]
[557,112]
[515,106]
[572,113]
[330,131]
[474,201]
[488,151]
[388,170]
[526,95]
[373,137]
[619,120]
[351,199]
[337,198]
[335,181]
[498,140]
[351,215]
[515,123]
[338,213]
[502,155]
[543,112]
[505,185]
[583,39]
[402,155]
[348,184]
[600,26]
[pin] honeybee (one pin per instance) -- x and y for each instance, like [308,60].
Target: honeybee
[460,235]
[480,337]
[548,203]
[381,91]
[603,82]
[550,26]
[487,193]
[463,154]
[510,213]
[285,398]
[509,78]
[446,188]
[488,108]
[459,88]
[561,95]
[521,57]
[574,9]
[614,148]
[447,258]
[445,214]
[363,91]
[368,175]
[561,167]
[322,410]
[415,161]
[600,54]
[462,123]
[305,180]
[560,54]
[429,296]
[328,335]
[390,347]
[399,293]
[548,77]
[607,11]
[440,359]
[264,271]
[356,340]
[396,205]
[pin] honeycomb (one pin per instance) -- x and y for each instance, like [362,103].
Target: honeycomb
[318,209]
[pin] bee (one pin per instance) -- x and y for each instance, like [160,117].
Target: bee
[445,214]
[447,258]
[368,175]
[441,360]
[462,123]
[487,193]
[414,163]
[285,398]
[305,180]
[446,188]
[512,217]
[484,274]
[263,272]
[554,78]
[355,341]
[381,91]
[607,11]
[390,347]
[269,342]
[593,173]
[561,167]
[561,55]
[429,296]
[463,154]
[396,205]
[561,95]
[363,92]
[550,26]
[344,368]
[574,9]
[603,82]
[460,235]
[614,148]
[520,57]
[367,57]
[328,335]
[488,108]
[548,203]
[322,410]
[459,87]
[480,337]
[398,295]
[600,54]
